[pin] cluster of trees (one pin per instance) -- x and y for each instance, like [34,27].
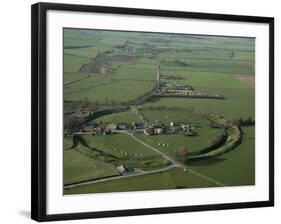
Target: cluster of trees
[191,133]
[234,121]
[72,121]
[217,125]
[84,104]
[182,154]
[175,62]
[173,77]
[77,139]
[157,108]
[246,122]
[91,105]
[243,121]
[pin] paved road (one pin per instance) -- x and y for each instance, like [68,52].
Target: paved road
[119,177]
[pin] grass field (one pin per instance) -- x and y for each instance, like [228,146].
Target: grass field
[167,116]
[101,89]
[209,79]
[127,150]
[110,69]
[79,167]
[72,63]
[177,141]
[234,168]
[172,179]
[239,103]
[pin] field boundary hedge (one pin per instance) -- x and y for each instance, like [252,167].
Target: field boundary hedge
[100,113]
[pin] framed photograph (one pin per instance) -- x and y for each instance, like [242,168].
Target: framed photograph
[140,111]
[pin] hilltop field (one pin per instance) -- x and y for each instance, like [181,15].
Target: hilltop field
[151,111]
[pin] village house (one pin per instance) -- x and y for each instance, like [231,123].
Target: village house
[97,131]
[148,131]
[121,169]
[174,126]
[111,127]
[154,130]
[185,127]
[158,130]
[89,128]
[121,126]
[139,125]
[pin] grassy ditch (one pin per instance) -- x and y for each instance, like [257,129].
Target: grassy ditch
[234,138]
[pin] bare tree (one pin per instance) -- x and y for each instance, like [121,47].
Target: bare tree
[182,154]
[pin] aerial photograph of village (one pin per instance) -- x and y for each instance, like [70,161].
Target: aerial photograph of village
[157,111]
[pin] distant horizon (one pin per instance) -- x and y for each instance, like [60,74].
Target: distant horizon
[156,33]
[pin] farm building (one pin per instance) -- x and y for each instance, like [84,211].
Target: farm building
[124,170]
[155,130]
[97,131]
[139,125]
[111,127]
[158,130]
[121,126]
[148,131]
[121,168]
[185,127]
[89,128]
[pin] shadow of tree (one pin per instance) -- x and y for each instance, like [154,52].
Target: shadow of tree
[205,162]
[152,99]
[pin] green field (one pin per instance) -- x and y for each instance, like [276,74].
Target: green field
[239,103]
[97,88]
[173,179]
[119,144]
[116,149]
[79,167]
[176,141]
[169,115]
[105,70]
[234,168]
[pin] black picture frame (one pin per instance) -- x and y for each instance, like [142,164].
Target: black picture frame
[39,124]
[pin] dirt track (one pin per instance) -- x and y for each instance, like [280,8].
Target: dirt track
[249,79]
